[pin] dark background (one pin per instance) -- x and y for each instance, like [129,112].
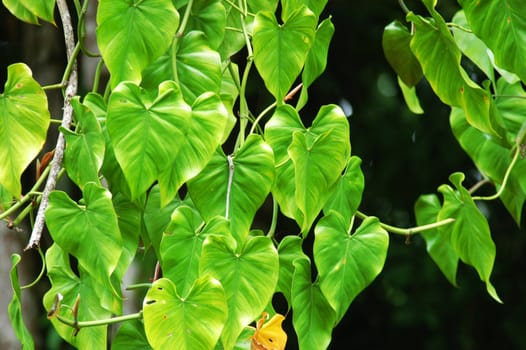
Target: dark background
[410,305]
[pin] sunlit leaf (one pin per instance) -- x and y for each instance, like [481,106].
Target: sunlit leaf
[410,97]
[347,263]
[269,335]
[132,35]
[190,321]
[289,6]
[249,275]
[131,336]
[30,10]
[289,249]
[24,120]
[210,18]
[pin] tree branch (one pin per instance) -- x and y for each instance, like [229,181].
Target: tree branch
[71,90]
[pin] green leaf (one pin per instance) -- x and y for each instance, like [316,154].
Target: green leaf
[410,97]
[196,68]
[395,42]
[14,309]
[131,336]
[138,123]
[438,244]
[502,26]
[289,6]
[470,233]
[346,263]
[6,199]
[84,152]
[235,190]
[24,120]
[249,275]
[440,57]
[89,232]
[210,18]
[280,51]
[348,191]
[30,10]
[313,316]
[492,159]
[192,321]
[92,304]
[134,33]
[203,135]
[289,249]
[182,242]
[316,58]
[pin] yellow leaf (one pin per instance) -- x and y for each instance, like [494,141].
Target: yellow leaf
[269,336]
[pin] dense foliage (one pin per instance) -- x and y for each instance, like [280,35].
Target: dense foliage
[170,157]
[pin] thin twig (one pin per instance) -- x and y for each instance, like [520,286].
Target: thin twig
[71,90]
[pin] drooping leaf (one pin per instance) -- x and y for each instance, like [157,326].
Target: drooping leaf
[182,243]
[395,42]
[236,188]
[210,18]
[131,336]
[14,309]
[24,120]
[84,152]
[470,233]
[249,275]
[438,244]
[138,123]
[30,10]
[502,26]
[313,316]
[88,231]
[410,97]
[269,335]
[316,58]
[289,249]
[91,306]
[191,321]
[203,135]
[19,10]
[280,51]
[347,263]
[131,35]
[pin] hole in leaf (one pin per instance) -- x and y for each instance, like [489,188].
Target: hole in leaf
[150,302]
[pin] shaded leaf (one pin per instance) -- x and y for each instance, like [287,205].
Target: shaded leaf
[289,249]
[131,336]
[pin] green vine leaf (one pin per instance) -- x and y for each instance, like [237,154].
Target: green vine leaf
[289,6]
[280,51]
[14,309]
[313,316]
[289,249]
[88,231]
[131,336]
[209,17]
[192,321]
[249,275]
[470,233]
[137,123]
[24,120]
[134,32]
[235,190]
[346,263]
[29,11]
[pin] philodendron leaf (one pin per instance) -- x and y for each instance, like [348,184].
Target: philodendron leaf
[410,97]
[14,310]
[395,41]
[92,302]
[470,233]
[191,321]
[440,57]
[438,244]
[182,242]
[289,6]
[289,249]
[88,231]
[280,50]
[235,186]
[503,30]
[84,149]
[138,123]
[24,120]
[30,10]
[313,316]
[347,263]
[131,336]
[249,275]
[210,18]
[132,35]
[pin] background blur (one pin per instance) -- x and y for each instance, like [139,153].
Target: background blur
[410,305]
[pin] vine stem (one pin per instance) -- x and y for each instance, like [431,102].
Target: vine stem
[411,230]
[229,184]
[95,323]
[71,90]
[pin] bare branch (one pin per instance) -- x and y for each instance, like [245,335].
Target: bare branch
[71,90]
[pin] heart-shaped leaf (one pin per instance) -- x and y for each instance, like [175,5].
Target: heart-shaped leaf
[138,123]
[210,18]
[30,10]
[289,249]
[249,276]
[192,321]
[346,263]
[24,120]
[235,188]
[131,35]
[280,50]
